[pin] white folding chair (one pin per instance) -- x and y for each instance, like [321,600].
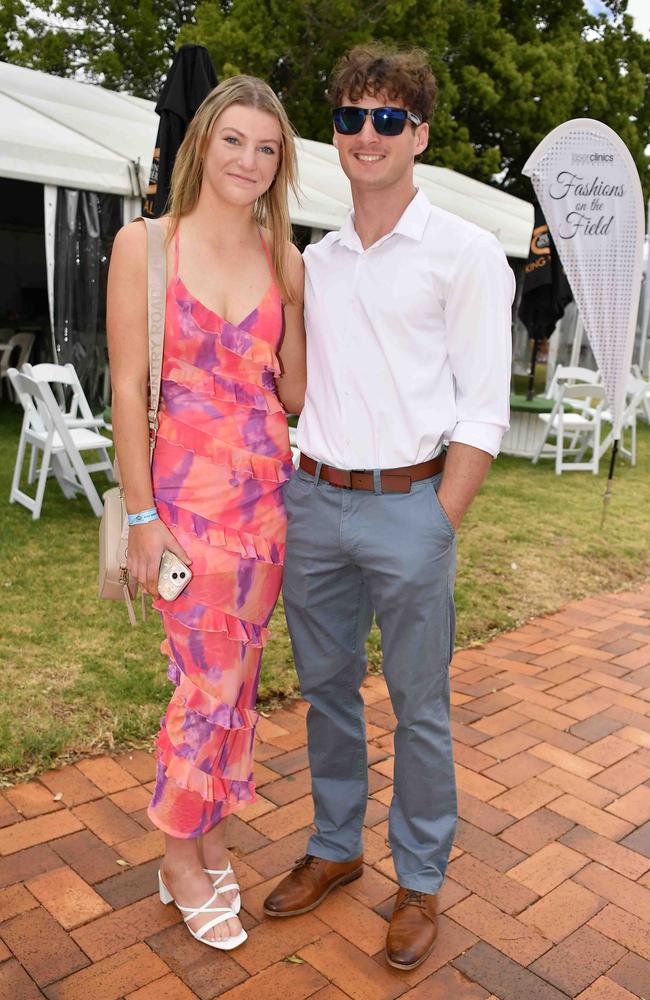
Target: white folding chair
[637,391]
[571,375]
[574,431]
[562,376]
[45,430]
[32,421]
[19,346]
[644,406]
[60,467]
[76,412]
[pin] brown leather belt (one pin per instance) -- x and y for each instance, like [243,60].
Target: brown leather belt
[392,480]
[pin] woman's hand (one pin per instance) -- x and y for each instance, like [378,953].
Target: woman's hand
[147,542]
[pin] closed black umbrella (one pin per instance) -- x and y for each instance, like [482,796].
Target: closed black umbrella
[190,79]
[546,291]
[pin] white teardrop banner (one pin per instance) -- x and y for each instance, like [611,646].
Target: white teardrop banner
[588,186]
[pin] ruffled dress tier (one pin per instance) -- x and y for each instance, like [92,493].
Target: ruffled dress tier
[222,454]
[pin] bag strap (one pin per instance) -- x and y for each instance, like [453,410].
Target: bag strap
[156,300]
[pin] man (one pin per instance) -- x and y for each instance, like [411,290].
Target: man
[408,341]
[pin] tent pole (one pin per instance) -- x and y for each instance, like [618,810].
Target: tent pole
[131,208]
[50,196]
[644,353]
[531,377]
[551,360]
[577,342]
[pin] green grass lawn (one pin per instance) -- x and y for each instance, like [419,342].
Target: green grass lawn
[78,679]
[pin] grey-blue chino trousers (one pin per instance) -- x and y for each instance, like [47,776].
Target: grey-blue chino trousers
[351,553]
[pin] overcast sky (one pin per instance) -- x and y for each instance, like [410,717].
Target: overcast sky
[639,9]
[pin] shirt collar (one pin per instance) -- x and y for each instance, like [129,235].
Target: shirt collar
[411,224]
[347,234]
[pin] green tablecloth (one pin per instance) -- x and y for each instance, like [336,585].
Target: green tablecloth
[538,404]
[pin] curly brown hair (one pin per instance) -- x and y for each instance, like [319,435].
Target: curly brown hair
[402,74]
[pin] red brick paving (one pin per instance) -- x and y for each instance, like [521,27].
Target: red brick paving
[547,894]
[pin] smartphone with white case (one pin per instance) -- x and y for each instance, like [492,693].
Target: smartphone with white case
[173,577]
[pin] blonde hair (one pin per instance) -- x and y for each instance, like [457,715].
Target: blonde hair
[272,208]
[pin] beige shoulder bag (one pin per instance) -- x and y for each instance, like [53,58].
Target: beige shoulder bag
[114,581]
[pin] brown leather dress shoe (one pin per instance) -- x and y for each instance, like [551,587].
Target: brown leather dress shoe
[413,929]
[307,885]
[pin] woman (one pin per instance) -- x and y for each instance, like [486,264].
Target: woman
[222,452]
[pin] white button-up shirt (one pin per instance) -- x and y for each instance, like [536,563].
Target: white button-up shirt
[408,342]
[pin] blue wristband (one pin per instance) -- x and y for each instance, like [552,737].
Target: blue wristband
[143,516]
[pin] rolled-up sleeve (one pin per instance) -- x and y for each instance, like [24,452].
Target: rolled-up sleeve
[479,342]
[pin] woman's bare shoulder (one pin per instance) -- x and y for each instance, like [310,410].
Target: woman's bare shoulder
[132,238]
[293,260]
[295,267]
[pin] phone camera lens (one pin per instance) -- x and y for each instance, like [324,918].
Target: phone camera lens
[174,576]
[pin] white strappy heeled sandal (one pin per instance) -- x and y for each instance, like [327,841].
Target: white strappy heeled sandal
[224,913]
[235,906]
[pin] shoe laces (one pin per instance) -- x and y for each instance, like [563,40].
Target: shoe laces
[412,898]
[306,861]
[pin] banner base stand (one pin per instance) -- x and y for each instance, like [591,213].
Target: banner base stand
[607,495]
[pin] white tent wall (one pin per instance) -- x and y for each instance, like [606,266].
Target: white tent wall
[77,135]
[65,134]
[131,209]
[326,198]
[74,135]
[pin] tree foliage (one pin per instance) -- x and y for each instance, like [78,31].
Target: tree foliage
[122,44]
[508,70]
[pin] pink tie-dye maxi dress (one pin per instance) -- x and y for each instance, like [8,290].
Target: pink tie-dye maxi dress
[221,456]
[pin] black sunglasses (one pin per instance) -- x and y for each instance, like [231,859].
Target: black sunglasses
[385,121]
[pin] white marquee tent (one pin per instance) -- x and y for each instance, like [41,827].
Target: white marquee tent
[61,133]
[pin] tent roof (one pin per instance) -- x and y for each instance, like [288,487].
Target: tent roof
[62,132]
[71,134]
[326,198]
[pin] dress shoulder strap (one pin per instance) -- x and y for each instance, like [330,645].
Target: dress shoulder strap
[267,252]
[177,249]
